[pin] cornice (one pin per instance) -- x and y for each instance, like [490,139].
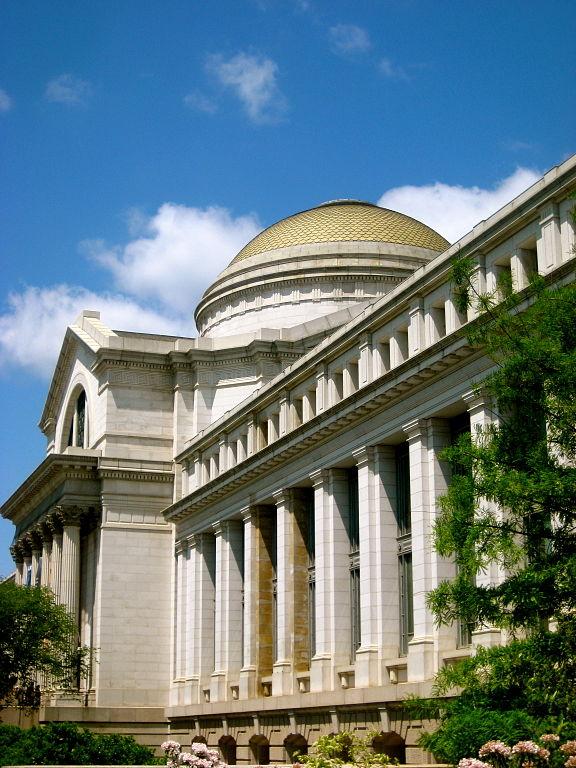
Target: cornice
[376,396]
[46,477]
[152,476]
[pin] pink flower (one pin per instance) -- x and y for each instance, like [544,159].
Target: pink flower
[569,748]
[472,762]
[172,748]
[549,738]
[530,748]
[497,748]
[571,762]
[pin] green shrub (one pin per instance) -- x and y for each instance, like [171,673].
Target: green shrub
[464,729]
[335,749]
[66,743]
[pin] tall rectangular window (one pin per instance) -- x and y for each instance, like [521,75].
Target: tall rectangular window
[354,561]
[404,541]
[403,512]
[406,601]
[311,551]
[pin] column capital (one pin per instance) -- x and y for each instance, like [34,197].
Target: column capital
[365,340]
[363,455]
[180,546]
[319,477]
[478,398]
[17,552]
[36,538]
[548,212]
[54,521]
[415,428]
[69,514]
[26,544]
[281,495]
[416,305]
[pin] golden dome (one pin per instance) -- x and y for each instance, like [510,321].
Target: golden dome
[342,220]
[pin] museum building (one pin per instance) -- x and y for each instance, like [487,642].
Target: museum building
[241,522]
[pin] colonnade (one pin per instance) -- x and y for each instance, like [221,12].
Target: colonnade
[323,586]
[49,554]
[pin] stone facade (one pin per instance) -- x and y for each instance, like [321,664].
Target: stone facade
[241,522]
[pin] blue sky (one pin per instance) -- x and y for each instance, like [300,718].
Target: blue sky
[143,142]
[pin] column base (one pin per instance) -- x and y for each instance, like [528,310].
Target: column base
[247,684]
[421,659]
[367,667]
[218,687]
[192,691]
[322,673]
[282,678]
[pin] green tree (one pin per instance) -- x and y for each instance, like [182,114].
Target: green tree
[512,500]
[36,639]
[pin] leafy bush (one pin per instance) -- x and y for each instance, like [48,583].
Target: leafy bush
[466,730]
[66,743]
[335,749]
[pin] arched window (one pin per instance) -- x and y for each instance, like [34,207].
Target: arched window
[227,746]
[391,744]
[260,748]
[78,435]
[295,744]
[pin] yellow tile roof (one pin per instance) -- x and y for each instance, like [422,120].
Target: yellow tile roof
[343,220]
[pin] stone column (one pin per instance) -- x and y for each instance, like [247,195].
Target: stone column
[378,562]
[18,556]
[428,479]
[181,599]
[36,545]
[292,653]
[548,246]
[416,327]
[284,413]
[205,596]
[191,618]
[54,523]
[333,629]
[228,616]
[482,416]
[27,554]
[259,613]
[70,576]
[46,555]
[322,389]
[366,373]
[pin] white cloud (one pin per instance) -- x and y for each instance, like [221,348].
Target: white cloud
[5,101]
[200,102]
[348,38]
[170,260]
[180,251]
[67,89]
[253,81]
[32,329]
[393,71]
[454,210]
